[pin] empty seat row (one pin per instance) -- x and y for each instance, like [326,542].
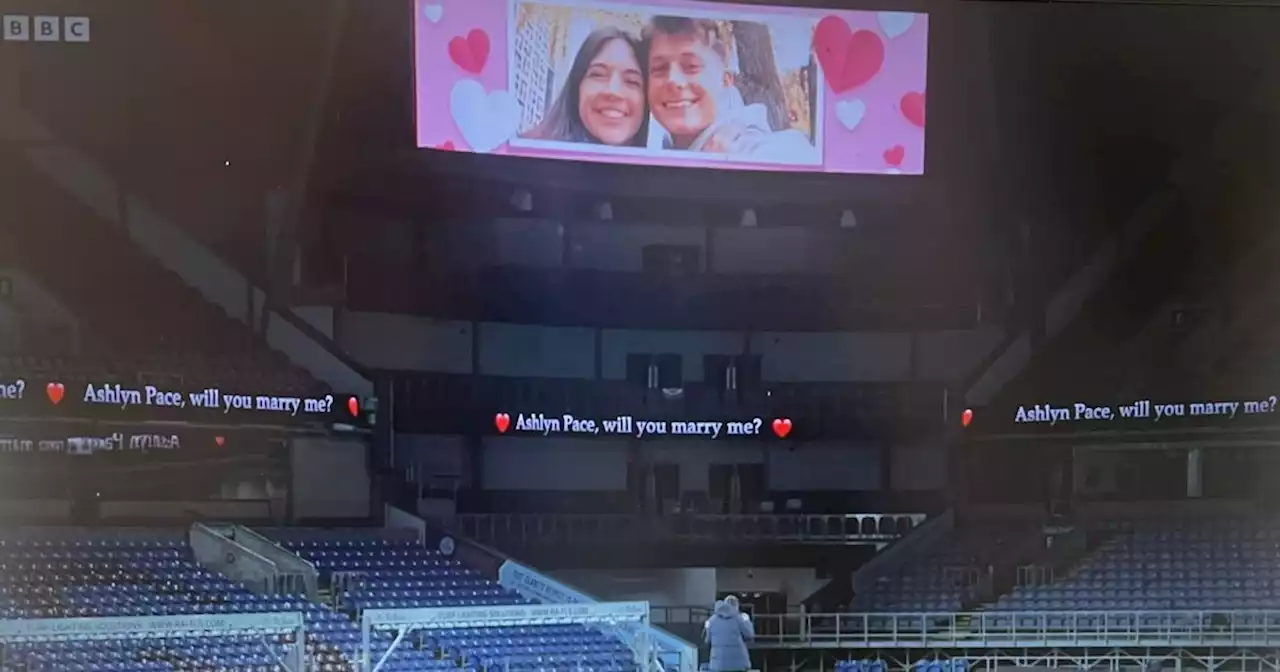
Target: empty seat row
[385,572]
[1219,564]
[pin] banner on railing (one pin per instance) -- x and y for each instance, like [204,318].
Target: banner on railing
[146,626]
[74,439]
[480,617]
[537,586]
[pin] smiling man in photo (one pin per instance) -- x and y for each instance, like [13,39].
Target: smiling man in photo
[693,97]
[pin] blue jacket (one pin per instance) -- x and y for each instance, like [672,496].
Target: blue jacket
[728,632]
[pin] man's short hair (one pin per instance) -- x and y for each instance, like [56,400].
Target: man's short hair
[705,31]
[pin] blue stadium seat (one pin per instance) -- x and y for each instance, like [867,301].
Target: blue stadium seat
[940,580]
[395,571]
[1168,565]
[64,573]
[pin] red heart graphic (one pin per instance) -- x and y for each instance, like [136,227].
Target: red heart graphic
[220,440]
[447,146]
[55,392]
[849,58]
[782,427]
[502,421]
[966,417]
[353,405]
[913,107]
[471,53]
[894,155]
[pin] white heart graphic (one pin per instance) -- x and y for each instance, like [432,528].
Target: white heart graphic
[851,112]
[487,120]
[895,23]
[433,12]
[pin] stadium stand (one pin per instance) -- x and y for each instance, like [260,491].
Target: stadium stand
[135,317]
[385,570]
[945,576]
[1166,564]
[76,573]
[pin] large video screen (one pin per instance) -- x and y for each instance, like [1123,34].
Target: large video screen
[674,83]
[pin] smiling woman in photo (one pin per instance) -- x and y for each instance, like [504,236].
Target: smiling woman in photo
[603,100]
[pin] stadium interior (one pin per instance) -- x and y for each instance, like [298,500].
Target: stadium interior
[284,388]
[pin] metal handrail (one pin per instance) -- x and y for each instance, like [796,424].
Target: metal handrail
[1020,629]
[532,528]
[674,615]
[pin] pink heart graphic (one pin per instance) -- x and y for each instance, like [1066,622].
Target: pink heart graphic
[849,58]
[471,53]
[894,155]
[912,105]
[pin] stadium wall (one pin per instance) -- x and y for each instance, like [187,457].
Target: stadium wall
[692,346]
[541,244]
[411,343]
[435,455]
[330,479]
[518,463]
[660,588]
[526,463]
[693,586]
[534,351]
[918,467]
[810,467]
[830,357]
[405,342]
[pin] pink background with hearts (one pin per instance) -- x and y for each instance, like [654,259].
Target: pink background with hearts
[882,129]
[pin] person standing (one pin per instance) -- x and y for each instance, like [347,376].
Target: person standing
[728,631]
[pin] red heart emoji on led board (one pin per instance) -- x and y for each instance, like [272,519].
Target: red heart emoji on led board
[55,392]
[782,427]
[966,417]
[353,405]
[502,421]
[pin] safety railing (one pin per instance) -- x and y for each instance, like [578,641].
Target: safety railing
[1059,629]
[679,615]
[341,583]
[505,529]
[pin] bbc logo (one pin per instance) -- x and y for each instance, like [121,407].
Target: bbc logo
[22,28]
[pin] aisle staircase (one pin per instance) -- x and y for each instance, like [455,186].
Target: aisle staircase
[194,266]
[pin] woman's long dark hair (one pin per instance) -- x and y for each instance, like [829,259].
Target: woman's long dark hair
[563,122]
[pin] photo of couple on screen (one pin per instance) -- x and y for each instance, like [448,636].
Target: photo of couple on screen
[630,81]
